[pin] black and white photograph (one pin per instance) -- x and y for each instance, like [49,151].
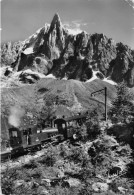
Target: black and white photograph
[67,97]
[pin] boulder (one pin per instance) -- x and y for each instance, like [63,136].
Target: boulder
[100,187]
[122,190]
[60,174]
[73,182]
[8,71]
[42,191]
[46,182]
[18,183]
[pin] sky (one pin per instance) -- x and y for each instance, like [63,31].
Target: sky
[113,18]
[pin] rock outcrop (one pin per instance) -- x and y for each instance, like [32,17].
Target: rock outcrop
[9,52]
[53,50]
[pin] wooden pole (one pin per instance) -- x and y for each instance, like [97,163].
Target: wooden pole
[105,104]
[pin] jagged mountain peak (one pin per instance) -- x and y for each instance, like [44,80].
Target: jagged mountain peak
[56,17]
[56,21]
[53,51]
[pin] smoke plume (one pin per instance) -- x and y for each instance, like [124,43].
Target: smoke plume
[16,113]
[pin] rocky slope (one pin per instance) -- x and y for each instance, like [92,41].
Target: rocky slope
[31,97]
[28,100]
[53,50]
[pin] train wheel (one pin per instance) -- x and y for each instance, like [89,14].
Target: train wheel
[44,144]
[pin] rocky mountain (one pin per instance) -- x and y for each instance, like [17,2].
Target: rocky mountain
[52,50]
[9,52]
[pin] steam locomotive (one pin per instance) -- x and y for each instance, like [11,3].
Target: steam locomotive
[21,141]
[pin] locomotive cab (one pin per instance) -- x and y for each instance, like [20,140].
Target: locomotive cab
[15,137]
[27,136]
[61,126]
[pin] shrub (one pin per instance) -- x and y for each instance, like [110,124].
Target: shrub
[36,173]
[50,157]
[59,190]
[104,155]
[93,124]
[31,165]
[7,185]
[64,150]
[76,154]
[124,183]
[81,132]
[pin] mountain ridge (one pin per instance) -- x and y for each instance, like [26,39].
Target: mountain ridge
[53,50]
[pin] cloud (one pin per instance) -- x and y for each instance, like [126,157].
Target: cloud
[131,3]
[75,26]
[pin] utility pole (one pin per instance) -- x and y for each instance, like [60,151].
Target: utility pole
[105,90]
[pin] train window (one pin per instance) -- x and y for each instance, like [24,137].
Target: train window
[14,133]
[63,125]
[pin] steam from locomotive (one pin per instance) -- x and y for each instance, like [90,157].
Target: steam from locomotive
[16,113]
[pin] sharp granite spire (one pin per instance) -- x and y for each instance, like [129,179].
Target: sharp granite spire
[56,21]
[52,50]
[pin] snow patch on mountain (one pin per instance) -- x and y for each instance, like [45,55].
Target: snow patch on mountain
[28,71]
[65,78]
[37,32]
[32,36]
[109,81]
[28,50]
[50,76]
[94,77]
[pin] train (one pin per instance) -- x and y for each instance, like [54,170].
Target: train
[19,141]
